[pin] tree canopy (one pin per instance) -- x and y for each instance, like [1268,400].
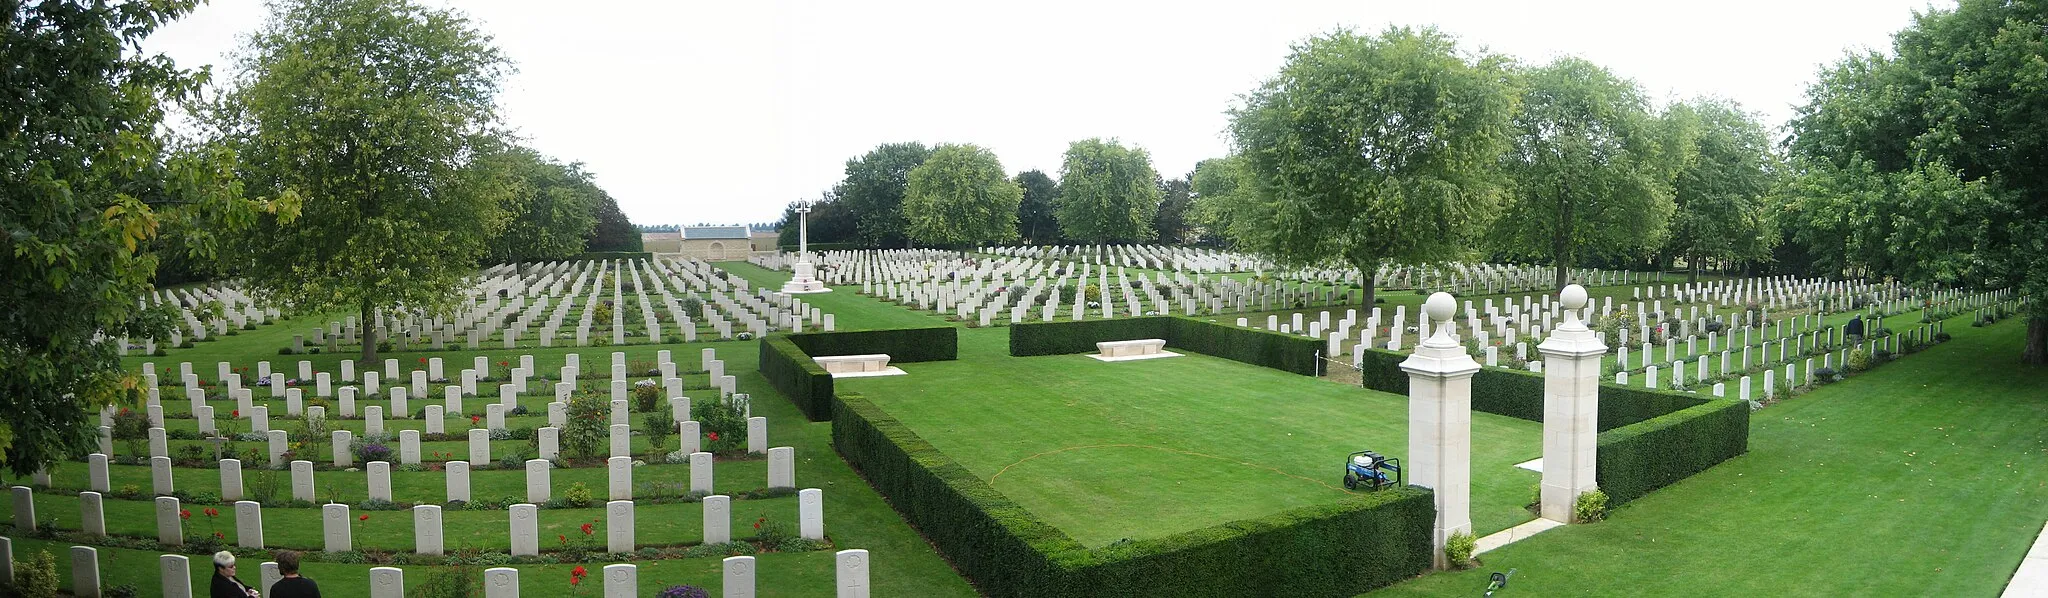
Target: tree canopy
[1925,163]
[551,205]
[829,221]
[873,190]
[1170,224]
[1721,196]
[87,182]
[613,232]
[1370,149]
[960,196]
[395,214]
[1108,193]
[1035,220]
[1588,174]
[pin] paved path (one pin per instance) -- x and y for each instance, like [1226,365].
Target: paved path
[2031,581]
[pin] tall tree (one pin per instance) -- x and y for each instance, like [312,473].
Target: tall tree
[1927,161]
[613,232]
[830,222]
[1034,214]
[1170,224]
[1720,195]
[960,197]
[551,204]
[371,110]
[1221,194]
[873,190]
[1371,149]
[1108,193]
[87,181]
[1588,174]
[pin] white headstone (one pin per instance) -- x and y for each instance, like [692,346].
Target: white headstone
[537,485]
[426,529]
[717,519]
[525,531]
[739,577]
[700,472]
[811,513]
[618,530]
[457,477]
[852,573]
[782,467]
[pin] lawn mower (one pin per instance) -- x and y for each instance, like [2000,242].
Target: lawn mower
[1373,471]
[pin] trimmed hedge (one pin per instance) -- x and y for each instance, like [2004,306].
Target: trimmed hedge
[1653,437]
[1061,338]
[1283,352]
[1639,458]
[904,345]
[793,373]
[1338,549]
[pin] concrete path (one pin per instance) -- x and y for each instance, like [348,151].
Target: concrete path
[1514,534]
[2031,581]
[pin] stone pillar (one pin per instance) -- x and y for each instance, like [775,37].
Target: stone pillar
[1440,424]
[1571,409]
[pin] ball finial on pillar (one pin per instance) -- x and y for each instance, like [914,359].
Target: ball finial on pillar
[1573,297]
[1440,307]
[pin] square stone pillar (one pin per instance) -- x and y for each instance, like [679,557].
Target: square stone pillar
[1571,409]
[1440,424]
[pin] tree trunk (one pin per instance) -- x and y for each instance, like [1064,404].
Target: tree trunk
[369,335]
[1692,265]
[1366,277]
[2035,351]
[1560,238]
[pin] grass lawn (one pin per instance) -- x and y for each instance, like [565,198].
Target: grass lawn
[855,516]
[850,309]
[1107,451]
[1919,478]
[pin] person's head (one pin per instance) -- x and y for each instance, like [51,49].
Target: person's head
[287,562]
[224,563]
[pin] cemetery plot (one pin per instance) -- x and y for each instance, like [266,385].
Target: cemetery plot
[204,312]
[1145,449]
[583,304]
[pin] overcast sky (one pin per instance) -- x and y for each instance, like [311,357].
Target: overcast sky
[723,112]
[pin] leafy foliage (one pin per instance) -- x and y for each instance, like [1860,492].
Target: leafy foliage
[1589,176]
[551,205]
[1924,163]
[588,428]
[873,191]
[1035,220]
[90,182]
[1720,196]
[613,231]
[960,196]
[397,211]
[1108,193]
[1361,137]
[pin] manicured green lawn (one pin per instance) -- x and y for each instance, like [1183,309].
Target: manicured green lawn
[1920,478]
[851,310]
[855,517]
[1143,449]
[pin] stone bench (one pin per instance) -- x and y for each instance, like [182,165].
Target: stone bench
[853,364]
[1147,346]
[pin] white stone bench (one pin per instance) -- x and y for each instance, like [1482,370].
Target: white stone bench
[853,364]
[1147,346]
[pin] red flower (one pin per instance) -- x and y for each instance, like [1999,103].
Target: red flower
[574,580]
[363,518]
[473,419]
[219,536]
[423,360]
[184,514]
[578,572]
[238,413]
[586,529]
[504,363]
[714,435]
[212,512]
[564,539]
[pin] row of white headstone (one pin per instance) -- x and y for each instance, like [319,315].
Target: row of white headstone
[338,524]
[852,576]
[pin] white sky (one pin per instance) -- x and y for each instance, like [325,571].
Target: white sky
[723,112]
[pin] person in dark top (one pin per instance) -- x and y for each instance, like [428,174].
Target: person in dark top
[292,586]
[224,583]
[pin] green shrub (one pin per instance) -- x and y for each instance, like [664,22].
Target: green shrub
[36,577]
[722,422]
[454,581]
[578,495]
[588,427]
[1590,507]
[1857,361]
[1458,549]
[1284,352]
[903,345]
[658,426]
[793,373]
[1062,338]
